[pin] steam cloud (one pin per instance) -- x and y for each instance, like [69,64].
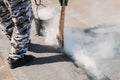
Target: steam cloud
[50,18]
[84,46]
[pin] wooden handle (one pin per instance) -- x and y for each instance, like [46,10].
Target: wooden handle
[61,24]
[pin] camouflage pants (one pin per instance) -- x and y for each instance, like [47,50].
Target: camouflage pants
[15,22]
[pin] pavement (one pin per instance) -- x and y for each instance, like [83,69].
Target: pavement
[51,65]
[5,72]
[47,65]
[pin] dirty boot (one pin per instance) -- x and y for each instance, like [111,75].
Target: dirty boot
[20,62]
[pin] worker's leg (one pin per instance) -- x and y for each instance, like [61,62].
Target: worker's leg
[21,17]
[6,23]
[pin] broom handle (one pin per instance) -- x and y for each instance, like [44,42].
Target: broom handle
[61,24]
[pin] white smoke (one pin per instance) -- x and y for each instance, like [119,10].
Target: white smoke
[46,13]
[51,27]
[85,46]
[88,64]
[98,45]
[50,22]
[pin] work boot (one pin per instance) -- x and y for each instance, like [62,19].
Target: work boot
[20,62]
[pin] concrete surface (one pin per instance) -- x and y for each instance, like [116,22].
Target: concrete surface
[49,65]
[5,72]
[91,13]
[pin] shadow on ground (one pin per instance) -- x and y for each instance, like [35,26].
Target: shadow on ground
[47,60]
[37,48]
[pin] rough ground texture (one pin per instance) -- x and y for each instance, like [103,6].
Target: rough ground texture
[48,64]
[5,72]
